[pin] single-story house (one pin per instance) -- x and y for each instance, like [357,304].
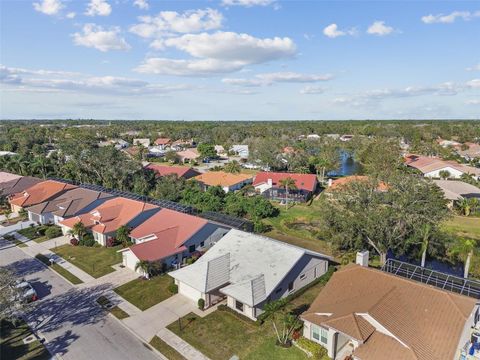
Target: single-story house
[432,166]
[346,137]
[471,153]
[313,136]
[240,150]
[38,193]
[132,151]
[219,149]
[457,190]
[171,237]
[67,204]
[11,184]
[188,155]
[249,270]
[337,184]
[163,143]
[227,181]
[446,143]
[104,220]
[268,184]
[181,171]
[156,151]
[142,141]
[374,315]
[180,144]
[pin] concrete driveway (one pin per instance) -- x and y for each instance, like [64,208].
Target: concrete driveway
[148,323]
[20,225]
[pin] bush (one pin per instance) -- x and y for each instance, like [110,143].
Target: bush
[173,288]
[260,227]
[317,350]
[41,230]
[74,241]
[87,240]
[110,242]
[201,304]
[53,232]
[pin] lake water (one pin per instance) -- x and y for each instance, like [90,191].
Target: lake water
[348,166]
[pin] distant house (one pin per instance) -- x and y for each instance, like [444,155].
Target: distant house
[219,149]
[69,203]
[240,150]
[181,171]
[104,220]
[132,151]
[373,315]
[337,184]
[188,155]
[227,181]
[121,144]
[447,143]
[268,184]
[38,193]
[144,142]
[179,145]
[313,136]
[432,166]
[11,184]
[170,237]
[346,137]
[471,153]
[156,151]
[163,143]
[249,270]
[457,190]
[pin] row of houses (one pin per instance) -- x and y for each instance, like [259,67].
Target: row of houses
[432,167]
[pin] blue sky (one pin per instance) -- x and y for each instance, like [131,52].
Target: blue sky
[239,59]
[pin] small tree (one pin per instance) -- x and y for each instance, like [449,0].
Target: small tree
[207,150]
[145,266]
[9,304]
[23,214]
[289,184]
[284,323]
[474,204]
[464,250]
[79,230]
[123,235]
[233,167]
[8,214]
[464,206]
[444,174]
[201,304]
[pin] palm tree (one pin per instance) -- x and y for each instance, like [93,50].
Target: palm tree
[247,189]
[464,250]
[444,174]
[233,167]
[464,206]
[123,235]
[288,322]
[145,266]
[289,184]
[426,232]
[78,230]
[7,213]
[474,204]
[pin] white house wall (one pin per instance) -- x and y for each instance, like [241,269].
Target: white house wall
[247,310]
[454,173]
[189,291]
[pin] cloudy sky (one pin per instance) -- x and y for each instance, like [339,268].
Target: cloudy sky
[239,59]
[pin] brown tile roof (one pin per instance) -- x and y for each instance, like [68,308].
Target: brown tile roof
[18,185]
[162,141]
[40,192]
[180,171]
[379,345]
[188,154]
[110,215]
[354,325]
[6,177]
[343,181]
[427,164]
[221,178]
[428,320]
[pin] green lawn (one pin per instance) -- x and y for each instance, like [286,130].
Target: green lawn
[15,241]
[37,233]
[166,349]
[299,226]
[96,260]
[115,311]
[463,226]
[63,272]
[146,293]
[12,346]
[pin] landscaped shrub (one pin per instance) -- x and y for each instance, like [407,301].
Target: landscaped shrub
[173,288]
[42,229]
[87,240]
[201,304]
[74,241]
[53,232]
[317,351]
[110,242]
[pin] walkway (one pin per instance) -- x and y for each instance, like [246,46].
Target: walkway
[184,348]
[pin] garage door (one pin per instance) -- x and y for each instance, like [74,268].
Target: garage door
[189,292]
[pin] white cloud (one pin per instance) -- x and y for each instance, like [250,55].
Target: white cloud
[141,4]
[71,15]
[475,83]
[98,7]
[168,22]
[41,80]
[247,3]
[311,90]
[450,18]
[379,28]
[95,36]
[221,52]
[473,102]
[49,7]
[474,68]
[278,77]
[332,31]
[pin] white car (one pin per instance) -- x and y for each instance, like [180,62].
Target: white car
[26,292]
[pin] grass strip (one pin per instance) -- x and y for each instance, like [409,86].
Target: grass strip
[60,270]
[166,349]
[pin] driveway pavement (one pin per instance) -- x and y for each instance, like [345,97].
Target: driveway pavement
[20,225]
[68,317]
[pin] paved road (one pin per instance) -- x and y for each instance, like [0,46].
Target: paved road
[74,326]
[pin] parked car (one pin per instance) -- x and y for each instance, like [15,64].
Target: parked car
[26,292]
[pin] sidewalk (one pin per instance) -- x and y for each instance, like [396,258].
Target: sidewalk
[184,348]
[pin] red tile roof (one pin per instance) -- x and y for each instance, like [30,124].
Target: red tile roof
[341,182]
[162,141]
[162,170]
[110,215]
[169,229]
[302,181]
[40,192]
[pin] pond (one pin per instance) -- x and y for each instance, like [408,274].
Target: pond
[348,166]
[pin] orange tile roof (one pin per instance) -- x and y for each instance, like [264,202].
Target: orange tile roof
[429,321]
[40,192]
[343,181]
[221,178]
[162,141]
[110,215]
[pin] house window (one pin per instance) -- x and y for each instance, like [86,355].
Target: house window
[290,286]
[191,248]
[320,334]
[302,276]
[202,244]
[238,305]
[278,290]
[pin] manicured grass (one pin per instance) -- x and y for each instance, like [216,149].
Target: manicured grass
[463,226]
[37,233]
[166,349]
[115,311]
[12,239]
[96,261]
[63,272]
[12,346]
[221,334]
[298,225]
[146,293]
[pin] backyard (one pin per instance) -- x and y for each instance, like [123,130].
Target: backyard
[12,346]
[146,293]
[96,260]
[463,226]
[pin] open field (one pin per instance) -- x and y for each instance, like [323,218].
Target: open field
[96,260]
